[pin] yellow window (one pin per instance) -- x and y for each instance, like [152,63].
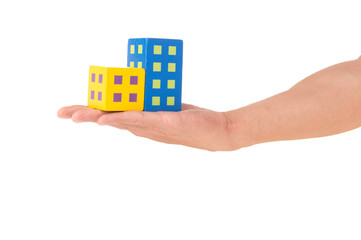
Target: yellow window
[140,64]
[172,50]
[158,49]
[171,67]
[131,64]
[155,101]
[157,67]
[140,49]
[171,84]
[132,47]
[156,83]
[170,101]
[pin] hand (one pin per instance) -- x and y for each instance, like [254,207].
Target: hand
[325,103]
[193,126]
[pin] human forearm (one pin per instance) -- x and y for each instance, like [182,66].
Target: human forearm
[327,102]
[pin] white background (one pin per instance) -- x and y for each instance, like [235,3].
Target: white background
[61,180]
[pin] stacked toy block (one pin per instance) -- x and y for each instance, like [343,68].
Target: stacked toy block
[152,81]
[116,89]
[162,61]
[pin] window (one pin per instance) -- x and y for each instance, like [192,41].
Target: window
[118,79]
[100,78]
[140,64]
[132,97]
[133,80]
[155,101]
[171,67]
[171,84]
[156,83]
[170,101]
[131,64]
[117,97]
[157,66]
[92,94]
[172,50]
[132,47]
[93,77]
[99,96]
[157,49]
[140,49]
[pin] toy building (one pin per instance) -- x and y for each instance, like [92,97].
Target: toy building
[162,61]
[152,81]
[111,89]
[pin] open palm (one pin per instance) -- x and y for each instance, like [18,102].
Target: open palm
[193,126]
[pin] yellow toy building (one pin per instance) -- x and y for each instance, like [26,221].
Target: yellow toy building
[116,89]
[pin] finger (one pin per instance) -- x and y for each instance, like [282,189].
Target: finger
[136,130]
[152,125]
[135,118]
[67,112]
[186,106]
[87,115]
[141,133]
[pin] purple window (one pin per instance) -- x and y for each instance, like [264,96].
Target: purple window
[118,79]
[133,80]
[92,93]
[100,78]
[117,97]
[93,77]
[99,96]
[132,97]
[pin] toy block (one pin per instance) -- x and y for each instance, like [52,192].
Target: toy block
[116,89]
[162,60]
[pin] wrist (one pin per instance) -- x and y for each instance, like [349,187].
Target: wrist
[239,129]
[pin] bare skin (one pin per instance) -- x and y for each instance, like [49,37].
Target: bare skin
[325,103]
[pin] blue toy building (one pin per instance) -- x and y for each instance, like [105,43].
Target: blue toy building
[162,60]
